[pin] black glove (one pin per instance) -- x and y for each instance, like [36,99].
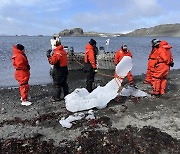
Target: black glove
[48,53]
[171,64]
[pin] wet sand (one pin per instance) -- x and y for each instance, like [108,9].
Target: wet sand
[126,125]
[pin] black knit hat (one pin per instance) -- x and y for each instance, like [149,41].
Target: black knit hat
[20,47]
[92,42]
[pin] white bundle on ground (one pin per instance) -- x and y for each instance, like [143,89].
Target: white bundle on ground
[131,91]
[90,115]
[67,122]
[81,99]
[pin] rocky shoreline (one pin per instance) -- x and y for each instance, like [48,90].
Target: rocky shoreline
[128,125]
[172,30]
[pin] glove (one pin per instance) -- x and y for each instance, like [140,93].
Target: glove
[95,70]
[48,53]
[171,64]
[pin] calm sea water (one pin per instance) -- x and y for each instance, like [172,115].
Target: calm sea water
[36,48]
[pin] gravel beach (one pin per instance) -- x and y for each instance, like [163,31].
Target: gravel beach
[128,125]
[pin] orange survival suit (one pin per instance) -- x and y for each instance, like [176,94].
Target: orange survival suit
[90,67]
[22,73]
[118,56]
[164,60]
[89,56]
[60,72]
[151,63]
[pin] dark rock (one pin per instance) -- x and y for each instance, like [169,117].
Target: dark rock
[80,32]
[72,32]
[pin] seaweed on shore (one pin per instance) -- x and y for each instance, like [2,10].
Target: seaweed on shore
[130,141]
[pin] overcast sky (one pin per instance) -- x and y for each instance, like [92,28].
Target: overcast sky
[35,17]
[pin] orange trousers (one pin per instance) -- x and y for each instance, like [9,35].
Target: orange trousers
[23,77]
[150,70]
[159,80]
[148,76]
[130,77]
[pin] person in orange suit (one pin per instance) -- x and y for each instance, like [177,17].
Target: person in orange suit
[90,67]
[164,60]
[60,71]
[123,51]
[151,61]
[22,72]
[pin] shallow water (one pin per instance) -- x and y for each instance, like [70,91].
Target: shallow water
[36,48]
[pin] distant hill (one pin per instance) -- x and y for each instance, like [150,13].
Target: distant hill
[160,30]
[80,32]
[72,32]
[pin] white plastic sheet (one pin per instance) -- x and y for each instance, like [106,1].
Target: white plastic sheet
[80,99]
